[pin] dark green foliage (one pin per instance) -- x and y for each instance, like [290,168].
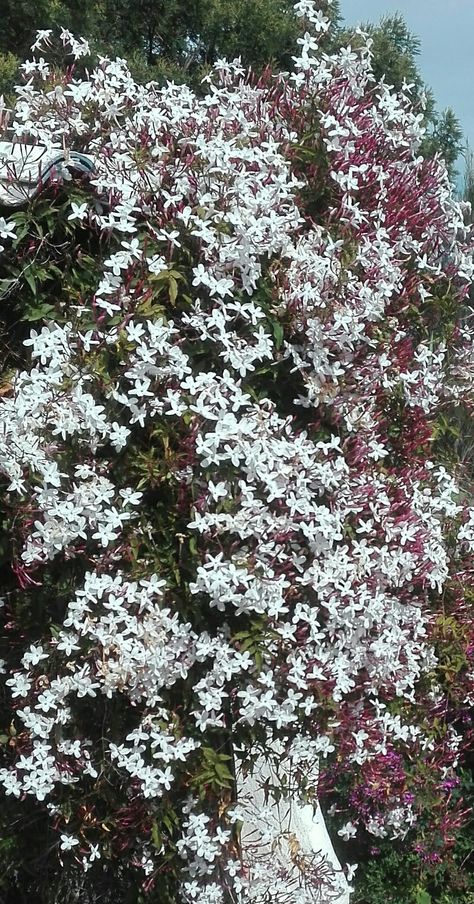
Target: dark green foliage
[21,19]
[155,28]
[183,37]
[9,76]
[445,138]
[175,33]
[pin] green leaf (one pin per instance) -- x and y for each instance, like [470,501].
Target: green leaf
[173,290]
[278,333]
[193,545]
[156,837]
[38,313]
[223,773]
[30,279]
[422,897]
[170,821]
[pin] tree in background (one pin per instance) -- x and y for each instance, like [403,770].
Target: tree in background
[196,33]
[173,39]
[9,77]
[394,48]
[444,137]
[21,19]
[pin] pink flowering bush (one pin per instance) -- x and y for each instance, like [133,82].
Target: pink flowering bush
[231,515]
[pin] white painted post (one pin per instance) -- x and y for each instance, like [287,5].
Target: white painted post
[286,849]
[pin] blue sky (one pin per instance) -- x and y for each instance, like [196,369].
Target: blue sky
[446,61]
